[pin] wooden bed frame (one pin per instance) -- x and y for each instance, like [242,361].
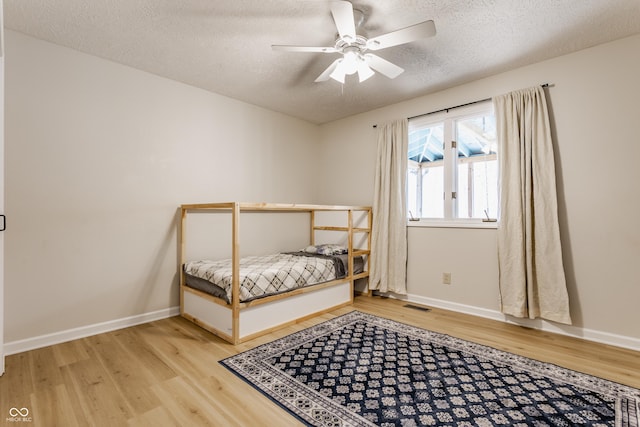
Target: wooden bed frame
[241,321]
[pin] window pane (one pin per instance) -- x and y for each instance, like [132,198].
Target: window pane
[432,192]
[425,184]
[463,191]
[485,194]
[477,168]
[412,196]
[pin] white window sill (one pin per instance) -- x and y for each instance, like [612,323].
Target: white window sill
[452,223]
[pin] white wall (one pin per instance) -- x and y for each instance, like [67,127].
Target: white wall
[98,158]
[594,103]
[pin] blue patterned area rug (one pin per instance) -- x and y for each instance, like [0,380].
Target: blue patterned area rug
[363,370]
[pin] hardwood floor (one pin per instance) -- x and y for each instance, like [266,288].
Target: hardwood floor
[166,373]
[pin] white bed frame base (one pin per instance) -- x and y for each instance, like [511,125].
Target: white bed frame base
[261,319]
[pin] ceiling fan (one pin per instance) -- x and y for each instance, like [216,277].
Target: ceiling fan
[354,48]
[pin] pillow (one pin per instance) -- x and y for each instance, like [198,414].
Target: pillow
[326,249]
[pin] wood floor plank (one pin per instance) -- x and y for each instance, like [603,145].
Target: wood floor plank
[70,352]
[132,341]
[128,372]
[74,397]
[97,394]
[53,407]
[44,373]
[157,417]
[184,403]
[167,372]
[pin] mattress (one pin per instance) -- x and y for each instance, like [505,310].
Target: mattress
[262,276]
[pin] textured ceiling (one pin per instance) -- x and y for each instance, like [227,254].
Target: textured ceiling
[224,46]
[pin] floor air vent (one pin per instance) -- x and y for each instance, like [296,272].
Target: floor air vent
[417,307]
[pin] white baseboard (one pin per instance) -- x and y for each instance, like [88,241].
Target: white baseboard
[572,331]
[27,344]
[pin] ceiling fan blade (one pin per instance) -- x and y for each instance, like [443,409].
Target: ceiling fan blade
[342,12]
[288,48]
[326,74]
[405,35]
[383,66]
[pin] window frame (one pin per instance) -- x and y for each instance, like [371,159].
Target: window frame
[449,118]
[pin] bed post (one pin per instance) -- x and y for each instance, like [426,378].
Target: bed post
[235,260]
[350,249]
[183,221]
[312,219]
[370,226]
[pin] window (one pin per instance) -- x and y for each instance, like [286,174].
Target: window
[453,165]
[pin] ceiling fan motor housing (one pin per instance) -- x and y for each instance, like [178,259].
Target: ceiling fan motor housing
[359,43]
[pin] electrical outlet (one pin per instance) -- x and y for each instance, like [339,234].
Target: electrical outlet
[446,278]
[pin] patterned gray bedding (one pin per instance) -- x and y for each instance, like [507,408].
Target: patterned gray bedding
[261,276]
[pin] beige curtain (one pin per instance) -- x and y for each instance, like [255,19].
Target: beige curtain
[389,234]
[532,279]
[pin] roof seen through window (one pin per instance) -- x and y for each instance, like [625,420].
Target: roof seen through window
[475,136]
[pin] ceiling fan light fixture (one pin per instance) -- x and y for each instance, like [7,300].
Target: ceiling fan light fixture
[350,62]
[364,71]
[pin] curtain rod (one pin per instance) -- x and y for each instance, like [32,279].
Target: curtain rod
[545,85]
